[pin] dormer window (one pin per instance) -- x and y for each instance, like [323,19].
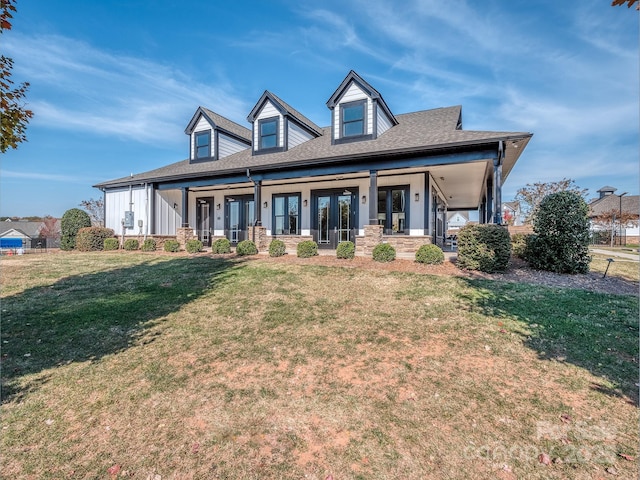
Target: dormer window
[268,133]
[203,144]
[353,118]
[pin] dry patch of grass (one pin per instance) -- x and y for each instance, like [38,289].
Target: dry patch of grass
[621,267]
[210,368]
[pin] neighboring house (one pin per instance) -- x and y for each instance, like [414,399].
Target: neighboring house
[457,220]
[606,211]
[18,234]
[511,213]
[369,176]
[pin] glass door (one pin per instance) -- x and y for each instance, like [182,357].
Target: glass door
[204,220]
[240,215]
[334,217]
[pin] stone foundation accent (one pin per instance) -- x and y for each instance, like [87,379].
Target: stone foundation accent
[258,235]
[407,243]
[372,237]
[185,233]
[290,241]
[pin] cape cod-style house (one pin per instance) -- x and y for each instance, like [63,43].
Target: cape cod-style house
[370,176]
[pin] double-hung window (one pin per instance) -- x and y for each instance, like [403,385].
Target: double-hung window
[203,144]
[268,133]
[393,212]
[286,214]
[353,118]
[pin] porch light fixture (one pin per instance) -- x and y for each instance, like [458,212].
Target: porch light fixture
[364,199]
[304,203]
[218,207]
[264,205]
[417,197]
[175,205]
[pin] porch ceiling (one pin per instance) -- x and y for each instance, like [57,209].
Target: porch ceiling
[462,185]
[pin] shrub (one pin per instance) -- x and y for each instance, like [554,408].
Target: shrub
[484,247]
[277,248]
[306,249]
[91,239]
[246,247]
[561,241]
[221,245]
[131,244]
[430,254]
[383,252]
[519,244]
[72,221]
[111,244]
[193,245]
[346,250]
[149,245]
[171,246]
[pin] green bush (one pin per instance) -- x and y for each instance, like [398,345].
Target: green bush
[171,246]
[306,249]
[561,240]
[91,239]
[346,250]
[246,247]
[111,244]
[149,245]
[193,245]
[72,221]
[519,245]
[277,248]
[430,254]
[484,247]
[221,245]
[131,244]
[383,252]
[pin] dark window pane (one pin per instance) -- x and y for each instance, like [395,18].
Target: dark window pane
[350,114]
[202,144]
[268,128]
[398,200]
[353,128]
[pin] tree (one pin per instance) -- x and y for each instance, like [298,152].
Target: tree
[617,3]
[12,106]
[50,227]
[95,209]
[72,221]
[530,196]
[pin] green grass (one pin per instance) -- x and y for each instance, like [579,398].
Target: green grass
[201,367]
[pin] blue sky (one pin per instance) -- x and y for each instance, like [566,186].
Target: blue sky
[114,83]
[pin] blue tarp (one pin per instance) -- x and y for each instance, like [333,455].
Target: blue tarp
[10,243]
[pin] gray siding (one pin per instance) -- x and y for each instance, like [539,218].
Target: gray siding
[384,123]
[297,135]
[228,145]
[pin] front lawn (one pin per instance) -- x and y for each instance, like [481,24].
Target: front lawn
[129,365]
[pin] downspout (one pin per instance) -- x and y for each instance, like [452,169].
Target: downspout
[497,184]
[146,211]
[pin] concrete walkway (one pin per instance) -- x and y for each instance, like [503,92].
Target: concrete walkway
[615,253]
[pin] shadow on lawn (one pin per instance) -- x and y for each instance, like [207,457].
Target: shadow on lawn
[85,317]
[597,332]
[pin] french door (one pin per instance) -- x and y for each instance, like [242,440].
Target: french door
[239,215]
[204,220]
[334,217]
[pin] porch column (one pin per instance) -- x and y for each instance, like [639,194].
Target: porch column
[185,207]
[497,191]
[489,212]
[427,203]
[257,202]
[373,197]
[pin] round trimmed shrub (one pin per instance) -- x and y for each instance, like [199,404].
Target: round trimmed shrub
[306,249]
[111,244]
[383,252]
[346,250]
[73,220]
[277,248]
[171,246]
[246,247]
[430,254]
[561,240]
[193,245]
[149,245]
[131,244]
[519,245]
[91,239]
[221,245]
[485,247]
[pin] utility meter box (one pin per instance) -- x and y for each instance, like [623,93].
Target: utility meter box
[128,220]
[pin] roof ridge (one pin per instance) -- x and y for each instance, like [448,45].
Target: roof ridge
[295,113]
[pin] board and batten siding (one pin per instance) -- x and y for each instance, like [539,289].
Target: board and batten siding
[121,200]
[167,218]
[297,135]
[268,111]
[201,126]
[353,94]
[228,145]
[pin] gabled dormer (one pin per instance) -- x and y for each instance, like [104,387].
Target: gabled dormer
[212,136]
[358,111]
[277,127]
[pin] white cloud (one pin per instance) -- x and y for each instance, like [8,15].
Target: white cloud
[108,94]
[52,177]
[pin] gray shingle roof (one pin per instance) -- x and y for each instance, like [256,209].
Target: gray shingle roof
[611,203]
[222,122]
[417,132]
[297,115]
[31,229]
